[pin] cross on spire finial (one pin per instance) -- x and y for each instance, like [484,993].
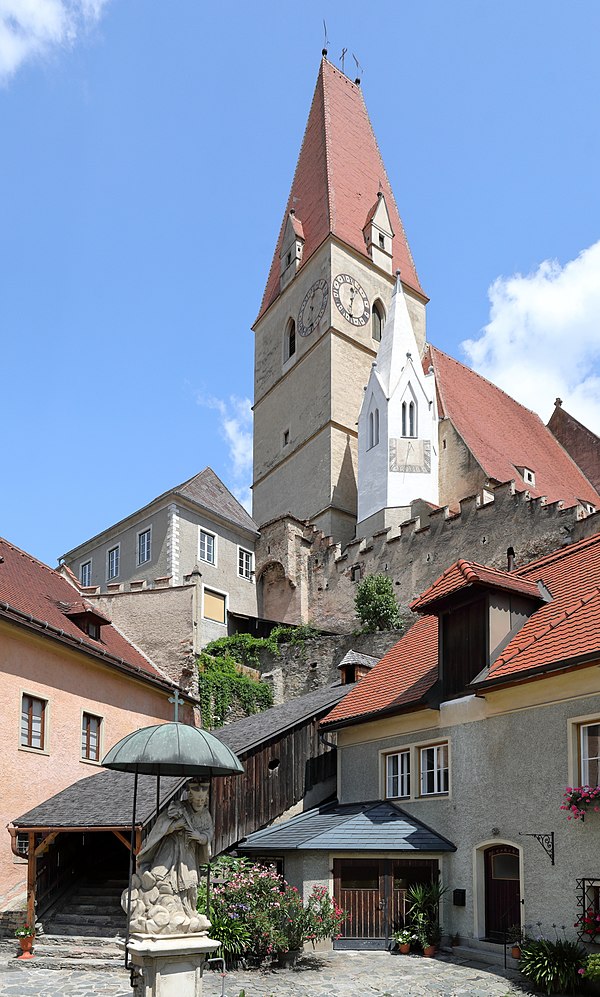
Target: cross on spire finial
[177,702]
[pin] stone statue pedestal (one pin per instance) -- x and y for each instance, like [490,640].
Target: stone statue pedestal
[171,965]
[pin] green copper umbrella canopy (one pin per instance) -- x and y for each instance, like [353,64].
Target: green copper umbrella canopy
[172,749]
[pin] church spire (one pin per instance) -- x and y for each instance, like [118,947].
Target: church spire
[338,178]
[398,343]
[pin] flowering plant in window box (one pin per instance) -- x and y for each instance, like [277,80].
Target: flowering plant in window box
[589,925]
[579,799]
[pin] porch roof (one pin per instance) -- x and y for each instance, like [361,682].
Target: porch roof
[375,826]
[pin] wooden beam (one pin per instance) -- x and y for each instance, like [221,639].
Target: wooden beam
[121,838]
[31,875]
[45,843]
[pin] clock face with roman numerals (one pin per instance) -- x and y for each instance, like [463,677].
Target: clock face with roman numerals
[312,308]
[351,300]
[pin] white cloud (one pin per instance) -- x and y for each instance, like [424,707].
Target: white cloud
[31,29]
[543,337]
[236,428]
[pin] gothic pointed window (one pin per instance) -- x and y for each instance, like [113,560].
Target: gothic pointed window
[377,321]
[289,347]
[373,430]
[370,444]
[409,417]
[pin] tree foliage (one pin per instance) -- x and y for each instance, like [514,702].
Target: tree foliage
[376,605]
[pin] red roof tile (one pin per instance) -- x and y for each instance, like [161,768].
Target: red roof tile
[463,574]
[40,593]
[401,678]
[503,435]
[338,175]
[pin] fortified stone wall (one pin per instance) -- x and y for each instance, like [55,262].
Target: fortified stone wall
[320,579]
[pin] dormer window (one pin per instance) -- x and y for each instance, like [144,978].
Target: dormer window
[527,474]
[290,256]
[381,241]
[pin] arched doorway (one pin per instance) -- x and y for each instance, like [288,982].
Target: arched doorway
[502,879]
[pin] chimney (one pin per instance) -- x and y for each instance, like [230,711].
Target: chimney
[510,557]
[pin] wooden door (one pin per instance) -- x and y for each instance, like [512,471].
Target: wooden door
[502,891]
[360,888]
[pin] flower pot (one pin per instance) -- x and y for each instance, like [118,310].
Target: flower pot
[289,958]
[516,951]
[405,948]
[429,951]
[26,944]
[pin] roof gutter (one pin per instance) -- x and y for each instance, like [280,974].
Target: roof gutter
[479,687]
[390,711]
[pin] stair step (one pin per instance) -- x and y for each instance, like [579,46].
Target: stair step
[89,942]
[486,952]
[64,962]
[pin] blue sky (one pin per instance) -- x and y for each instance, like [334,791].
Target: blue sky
[147,153]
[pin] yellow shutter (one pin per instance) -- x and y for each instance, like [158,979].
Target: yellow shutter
[214,606]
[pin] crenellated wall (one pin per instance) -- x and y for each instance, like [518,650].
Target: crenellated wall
[304,577]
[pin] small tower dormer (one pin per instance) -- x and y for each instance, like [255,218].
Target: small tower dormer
[292,246]
[379,235]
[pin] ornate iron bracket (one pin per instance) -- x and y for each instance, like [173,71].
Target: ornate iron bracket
[545,840]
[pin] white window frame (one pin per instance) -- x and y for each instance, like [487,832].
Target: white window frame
[211,588]
[414,776]
[139,535]
[250,576]
[577,768]
[397,775]
[585,758]
[96,716]
[117,548]
[440,754]
[213,536]
[85,564]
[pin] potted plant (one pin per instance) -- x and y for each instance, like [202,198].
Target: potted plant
[515,938]
[405,937]
[25,934]
[423,913]
[590,973]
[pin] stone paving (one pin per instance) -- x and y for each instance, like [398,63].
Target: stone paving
[332,974]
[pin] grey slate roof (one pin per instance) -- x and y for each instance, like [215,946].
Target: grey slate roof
[356,658]
[374,826]
[247,733]
[102,800]
[207,490]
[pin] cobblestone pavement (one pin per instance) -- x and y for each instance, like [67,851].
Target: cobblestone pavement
[334,974]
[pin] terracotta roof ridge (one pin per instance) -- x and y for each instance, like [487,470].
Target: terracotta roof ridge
[559,554]
[565,614]
[31,557]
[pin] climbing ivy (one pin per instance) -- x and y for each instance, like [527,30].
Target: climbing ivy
[222,686]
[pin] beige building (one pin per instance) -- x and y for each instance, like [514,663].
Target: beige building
[175,574]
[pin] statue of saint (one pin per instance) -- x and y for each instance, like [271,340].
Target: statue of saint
[165,884]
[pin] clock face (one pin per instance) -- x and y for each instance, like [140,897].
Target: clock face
[350,299]
[312,308]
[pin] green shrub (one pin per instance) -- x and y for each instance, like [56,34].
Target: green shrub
[376,605]
[221,685]
[592,968]
[552,966]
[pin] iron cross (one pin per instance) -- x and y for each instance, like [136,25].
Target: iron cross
[176,700]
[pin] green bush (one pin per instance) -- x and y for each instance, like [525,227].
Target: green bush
[376,605]
[221,685]
[592,968]
[552,966]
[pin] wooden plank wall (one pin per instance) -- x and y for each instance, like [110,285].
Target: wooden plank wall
[245,803]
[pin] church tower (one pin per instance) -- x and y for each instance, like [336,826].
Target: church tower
[322,315]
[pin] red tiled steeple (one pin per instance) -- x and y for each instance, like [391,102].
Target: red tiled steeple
[338,176]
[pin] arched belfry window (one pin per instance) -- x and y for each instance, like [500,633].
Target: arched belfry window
[373,429]
[290,339]
[377,321]
[409,418]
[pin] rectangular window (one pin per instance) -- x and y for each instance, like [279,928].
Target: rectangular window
[590,754]
[207,547]
[90,737]
[85,573]
[434,770]
[33,722]
[214,606]
[143,551]
[244,563]
[398,775]
[113,558]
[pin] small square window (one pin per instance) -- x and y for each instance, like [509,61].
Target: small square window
[90,737]
[381,241]
[207,547]
[33,722]
[85,573]
[245,563]
[144,546]
[114,557]
[286,437]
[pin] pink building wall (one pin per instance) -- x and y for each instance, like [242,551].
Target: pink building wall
[71,683]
